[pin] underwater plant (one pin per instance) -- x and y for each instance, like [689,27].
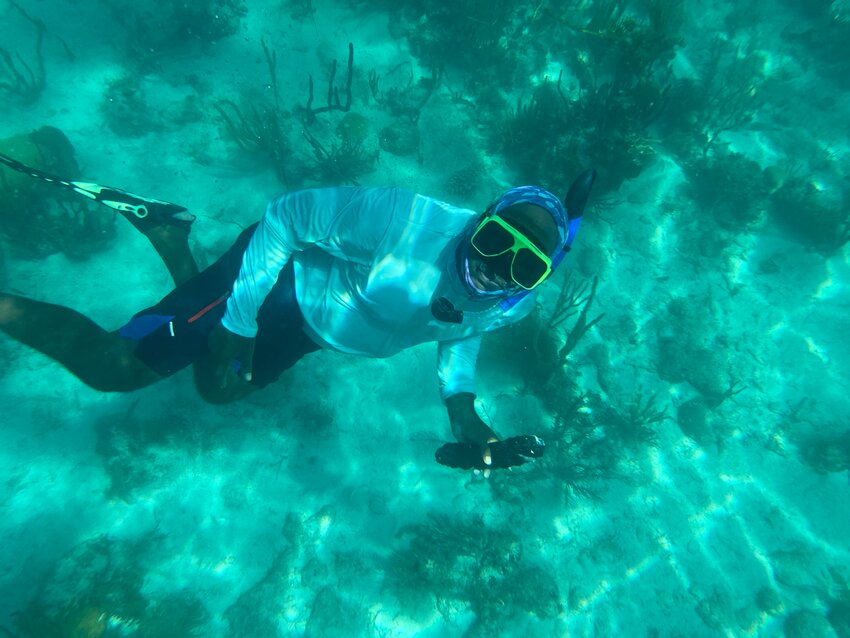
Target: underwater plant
[704,368]
[803,623]
[767,600]
[18,78]
[400,137]
[549,138]
[838,607]
[259,127]
[633,425]
[538,346]
[539,335]
[125,107]
[404,101]
[621,62]
[582,455]
[132,446]
[333,103]
[826,453]
[153,28]
[332,615]
[571,299]
[344,162]
[730,187]
[826,212]
[253,613]
[478,38]
[300,9]
[536,133]
[179,616]
[38,219]
[453,564]
[692,416]
[207,20]
[685,353]
[579,457]
[354,148]
[464,182]
[628,48]
[819,40]
[725,96]
[96,589]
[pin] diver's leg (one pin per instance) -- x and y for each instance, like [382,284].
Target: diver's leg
[172,245]
[100,359]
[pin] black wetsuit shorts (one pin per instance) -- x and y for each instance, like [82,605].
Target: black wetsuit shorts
[173,333]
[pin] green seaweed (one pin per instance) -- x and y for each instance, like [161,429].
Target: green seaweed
[827,453]
[475,37]
[344,162]
[449,562]
[729,187]
[39,219]
[22,80]
[99,583]
[405,101]
[125,107]
[635,425]
[824,213]
[333,615]
[259,127]
[724,97]
[147,30]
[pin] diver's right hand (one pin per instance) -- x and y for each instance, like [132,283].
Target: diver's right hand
[467,426]
[233,355]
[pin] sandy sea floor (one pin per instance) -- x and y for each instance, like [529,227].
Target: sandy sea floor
[291,511]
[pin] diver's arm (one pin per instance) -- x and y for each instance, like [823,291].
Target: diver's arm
[344,221]
[347,222]
[467,426]
[456,372]
[232,340]
[279,234]
[293,222]
[456,365]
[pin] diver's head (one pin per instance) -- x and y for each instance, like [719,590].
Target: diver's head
[515,244]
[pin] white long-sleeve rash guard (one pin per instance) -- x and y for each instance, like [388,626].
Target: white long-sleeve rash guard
[369,262]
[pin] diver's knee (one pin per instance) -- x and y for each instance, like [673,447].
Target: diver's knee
[115,369]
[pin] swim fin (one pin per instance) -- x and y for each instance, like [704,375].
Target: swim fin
[146,212]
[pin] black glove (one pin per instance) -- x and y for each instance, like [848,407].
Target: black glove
[513,451]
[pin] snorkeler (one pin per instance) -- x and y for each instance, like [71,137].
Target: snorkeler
[365,271]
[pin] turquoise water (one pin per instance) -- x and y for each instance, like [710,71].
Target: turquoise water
[698,438]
